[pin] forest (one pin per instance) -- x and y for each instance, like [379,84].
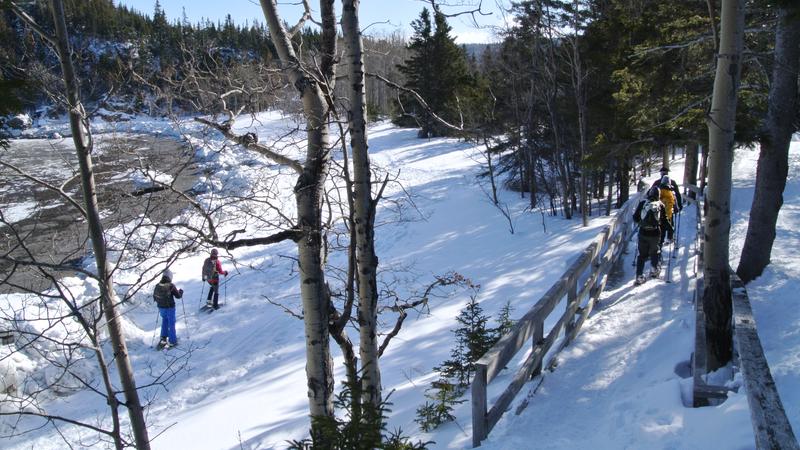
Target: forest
[577,102]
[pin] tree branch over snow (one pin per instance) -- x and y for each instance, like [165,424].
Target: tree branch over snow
[402,308]
[250,141]
[420,100]
[59,190]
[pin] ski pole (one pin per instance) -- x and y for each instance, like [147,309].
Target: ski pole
[202,289]
[185,319]
[153,340]
[225,296]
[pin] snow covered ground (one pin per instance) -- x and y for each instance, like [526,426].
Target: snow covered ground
[621,384]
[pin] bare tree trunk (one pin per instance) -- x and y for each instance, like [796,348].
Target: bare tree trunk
[579,85]
[622,181]
[690,167]
[309,192]
[665,155]
[364,214]
[82,138]
[773,161]
[703,167]
[610,195]
[721,126]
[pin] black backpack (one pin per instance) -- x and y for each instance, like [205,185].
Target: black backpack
[650,216]
[209,269]
[162,294]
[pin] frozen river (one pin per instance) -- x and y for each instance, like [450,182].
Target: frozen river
[38,220]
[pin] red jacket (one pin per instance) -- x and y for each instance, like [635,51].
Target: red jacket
[217,270]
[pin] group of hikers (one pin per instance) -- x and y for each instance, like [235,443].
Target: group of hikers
[655,216]
[166,292]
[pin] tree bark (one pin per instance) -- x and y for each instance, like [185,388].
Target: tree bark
[721,127]
[773,161]
[82,139]
[83,146]
[364,214]
[690,167]
[309,192]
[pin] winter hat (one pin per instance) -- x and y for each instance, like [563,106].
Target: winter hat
[168,274]
[214,252]
[665,181]
[664,170]
[652,194]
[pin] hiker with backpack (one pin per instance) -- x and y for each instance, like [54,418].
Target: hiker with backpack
[673,186]
[648,215]
[164,295]
[668,198]
[212,267]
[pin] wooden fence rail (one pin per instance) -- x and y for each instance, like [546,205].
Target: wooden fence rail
[585,279]
[771,427]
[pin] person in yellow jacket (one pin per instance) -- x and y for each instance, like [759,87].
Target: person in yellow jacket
[667,197]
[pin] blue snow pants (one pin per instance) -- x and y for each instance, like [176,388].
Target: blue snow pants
[168,324]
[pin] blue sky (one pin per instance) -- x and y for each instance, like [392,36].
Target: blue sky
[385,16]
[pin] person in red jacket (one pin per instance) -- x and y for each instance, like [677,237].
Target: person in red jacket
[212,267]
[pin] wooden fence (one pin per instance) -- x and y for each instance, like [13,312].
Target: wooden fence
[771,427]
[585,279]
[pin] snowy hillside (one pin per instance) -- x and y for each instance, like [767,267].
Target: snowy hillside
[620,385]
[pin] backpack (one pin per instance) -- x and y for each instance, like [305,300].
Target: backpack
[650,216]
[209,269]
[162,294]
[668,199]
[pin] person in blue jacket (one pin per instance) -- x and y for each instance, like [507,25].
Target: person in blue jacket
[164,295]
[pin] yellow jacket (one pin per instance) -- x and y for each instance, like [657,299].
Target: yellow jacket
[667,197]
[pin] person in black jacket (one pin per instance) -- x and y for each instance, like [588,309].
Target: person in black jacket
[673,186]
[164,295]
[648,215]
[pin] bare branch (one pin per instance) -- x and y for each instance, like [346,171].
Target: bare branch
[250,141]
[419,99]
[58,190]
[284,308]
[25,17]
[306,16]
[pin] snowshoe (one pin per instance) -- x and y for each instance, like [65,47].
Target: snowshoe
[639,280]
[654,273]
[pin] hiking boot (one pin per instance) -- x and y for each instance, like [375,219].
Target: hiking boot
[639,279]
[209,304]
[654,273]
[667,241]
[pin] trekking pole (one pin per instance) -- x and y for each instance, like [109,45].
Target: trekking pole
[225,295]
[668,277]
[153,340]
[185,319]
[202,289]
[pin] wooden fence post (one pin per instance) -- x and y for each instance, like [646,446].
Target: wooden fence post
[480,425]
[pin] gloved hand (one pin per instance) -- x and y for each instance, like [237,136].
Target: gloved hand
[181,291]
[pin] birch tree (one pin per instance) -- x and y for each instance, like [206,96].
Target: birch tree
[309,192]
[364,205]
[773,159]
[721,126]
[82,139]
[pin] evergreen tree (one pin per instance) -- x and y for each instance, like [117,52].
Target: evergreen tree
[437,70]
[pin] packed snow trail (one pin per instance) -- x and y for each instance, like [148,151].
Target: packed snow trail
[624,382]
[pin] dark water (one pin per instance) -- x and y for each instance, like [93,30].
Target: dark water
[43,226]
